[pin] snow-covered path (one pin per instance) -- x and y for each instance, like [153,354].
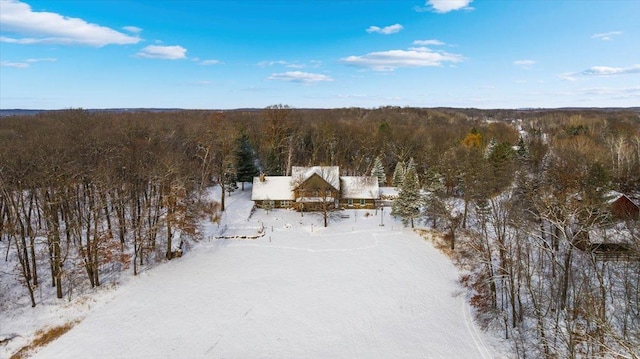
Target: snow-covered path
[352,290]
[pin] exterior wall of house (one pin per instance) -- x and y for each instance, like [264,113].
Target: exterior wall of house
[357,203]
[274,204]
[315,194]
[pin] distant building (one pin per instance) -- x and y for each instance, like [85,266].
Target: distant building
[315,188]
[621,207]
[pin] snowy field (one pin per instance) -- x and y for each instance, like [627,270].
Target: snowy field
[353,290]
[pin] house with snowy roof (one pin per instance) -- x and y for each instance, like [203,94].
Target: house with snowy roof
[315,188]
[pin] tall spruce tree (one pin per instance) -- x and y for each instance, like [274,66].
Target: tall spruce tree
[398,174]
[522,149]
[411,165]
[378,171]
[435,192]
[409,202]
[229,179]
[246,168]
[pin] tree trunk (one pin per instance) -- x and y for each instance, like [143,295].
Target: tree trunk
[222,197]
[564,289]
[24,265]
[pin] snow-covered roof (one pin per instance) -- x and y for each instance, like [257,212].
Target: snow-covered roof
[331,174]
[613,196]
[281,187]
[360,187]
[388,192]
[315,199]
[272,188]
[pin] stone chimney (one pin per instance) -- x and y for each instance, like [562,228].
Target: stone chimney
[261,177]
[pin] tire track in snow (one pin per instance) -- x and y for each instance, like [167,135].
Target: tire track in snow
[473,331]
[468,320]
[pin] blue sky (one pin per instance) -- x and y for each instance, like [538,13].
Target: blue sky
[320,54]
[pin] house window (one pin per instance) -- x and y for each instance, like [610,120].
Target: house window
[268,204]
[315,193]
[285,204]
[328,193]
[350,202]
[362,202]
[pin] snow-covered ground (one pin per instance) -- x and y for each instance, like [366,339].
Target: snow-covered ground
[353,290]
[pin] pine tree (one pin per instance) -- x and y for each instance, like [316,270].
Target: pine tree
[411,164]
[246,168]
[378,171]
[433,181]
[409,202]
[490,147]
[230,179]
[522,149]
[435,195]
[398,174]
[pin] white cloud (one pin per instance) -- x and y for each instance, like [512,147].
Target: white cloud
[52,28]
[26,63]
[393,59]
[210,62]
[292,65]
[432,42]
[600,71]
[271,63]
[45,59]
[525,64]
[387,30]
[132,29]
[163,52]
[608,71]
[15,65]
[606,36]
[298,76]
[295,66]
[444,6]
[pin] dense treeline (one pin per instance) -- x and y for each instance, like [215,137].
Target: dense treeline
[86,194]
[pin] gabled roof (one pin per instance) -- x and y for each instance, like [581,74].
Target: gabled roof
[614,196]
[360,187]
[330,174]
[281,188]
[272,188]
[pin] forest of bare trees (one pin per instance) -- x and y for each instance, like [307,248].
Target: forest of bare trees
[85,194]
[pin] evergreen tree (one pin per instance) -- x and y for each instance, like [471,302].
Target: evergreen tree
[433,181]
[378,171]
[229,179]
[246,168]
[501,169]
[398,174]
[409,202]
[411,164]
[522,149]
[490,147]
[435,188]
